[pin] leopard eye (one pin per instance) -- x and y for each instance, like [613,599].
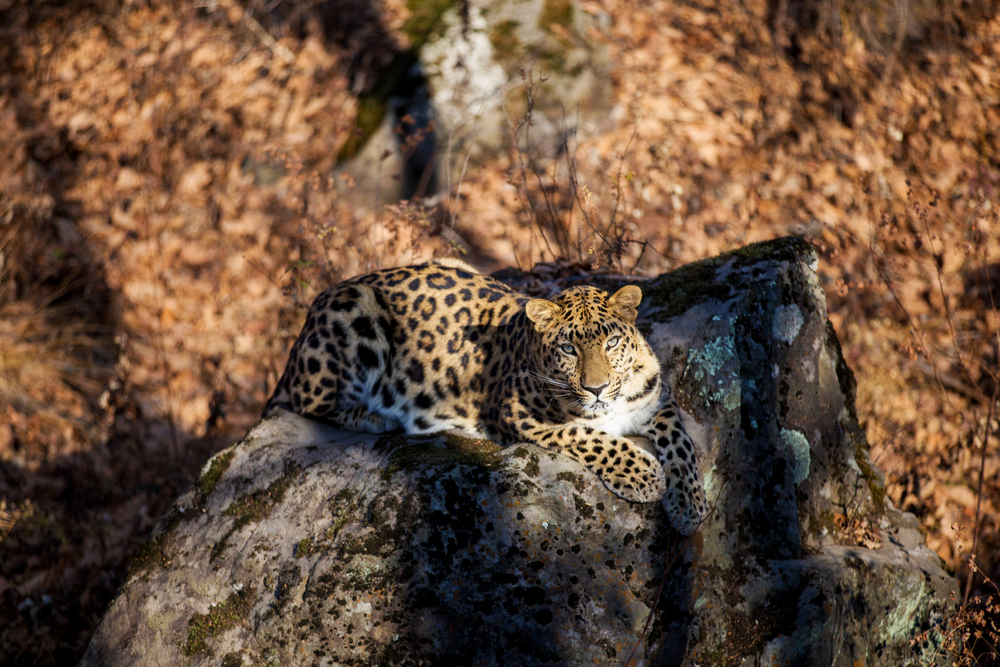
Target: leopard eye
[567,348]
[613,342]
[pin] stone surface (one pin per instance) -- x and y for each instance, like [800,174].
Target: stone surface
[466,83]
[306,545]
[474,63]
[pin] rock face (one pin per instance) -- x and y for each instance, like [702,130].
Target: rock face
[478,50]
[306,545]
[454,98]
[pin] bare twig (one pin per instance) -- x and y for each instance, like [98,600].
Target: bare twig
[516,124]
[987,433]
[259,32]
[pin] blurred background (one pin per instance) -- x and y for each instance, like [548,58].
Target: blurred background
[179,179]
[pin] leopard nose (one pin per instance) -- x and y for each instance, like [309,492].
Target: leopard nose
[596,391]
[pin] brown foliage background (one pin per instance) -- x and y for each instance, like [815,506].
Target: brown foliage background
[170,200]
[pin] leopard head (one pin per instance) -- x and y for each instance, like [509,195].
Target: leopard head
[588,354]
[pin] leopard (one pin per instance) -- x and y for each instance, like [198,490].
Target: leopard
[439,346]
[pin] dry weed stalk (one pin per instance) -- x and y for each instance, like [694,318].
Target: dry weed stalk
[547,206]
[521,127]
[971,633]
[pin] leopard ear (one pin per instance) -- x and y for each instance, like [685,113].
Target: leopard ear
[624,302]
[542,313]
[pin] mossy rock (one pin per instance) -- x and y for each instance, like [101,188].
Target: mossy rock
[447,549]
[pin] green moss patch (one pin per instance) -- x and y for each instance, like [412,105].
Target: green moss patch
[258,505]
[389,519]
[255,507]
[227,614]
[413,452]
[572,478]
[582,508]
[425,19]
[305,546]
[343,508]
[153,553]
[531,468]
[220,464]
[695,283]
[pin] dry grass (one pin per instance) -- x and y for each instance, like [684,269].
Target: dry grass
[55,345]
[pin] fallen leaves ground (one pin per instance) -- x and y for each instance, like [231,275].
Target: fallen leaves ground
[170,201]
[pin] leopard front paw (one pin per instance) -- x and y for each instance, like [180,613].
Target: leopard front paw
[684,501]
[636,476]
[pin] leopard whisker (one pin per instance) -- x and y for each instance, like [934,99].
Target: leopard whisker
[546,379]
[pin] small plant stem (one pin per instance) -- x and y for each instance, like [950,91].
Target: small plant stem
[987,433]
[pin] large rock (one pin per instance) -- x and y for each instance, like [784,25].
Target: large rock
[305,545]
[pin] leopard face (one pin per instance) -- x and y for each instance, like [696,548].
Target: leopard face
[591,358]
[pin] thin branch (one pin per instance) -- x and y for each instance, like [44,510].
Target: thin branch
[260,33]
[987,433]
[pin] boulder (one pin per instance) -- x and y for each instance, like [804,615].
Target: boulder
[306,545]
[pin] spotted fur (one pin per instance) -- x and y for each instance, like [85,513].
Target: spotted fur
[436,346]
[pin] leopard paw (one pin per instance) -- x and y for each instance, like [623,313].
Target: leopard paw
[626,469]
[637,486]
[684,500]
